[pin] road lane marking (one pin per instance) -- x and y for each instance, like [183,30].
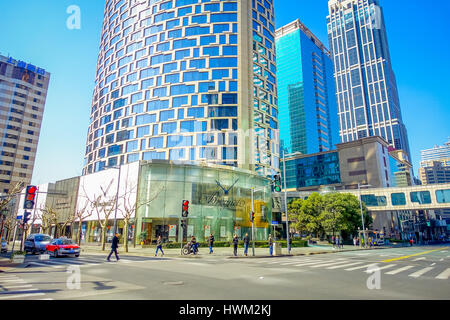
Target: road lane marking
[444,275]
[288,263]
[345,265]
[420,272]
[16,280]
[399,270]
[22,295]
[380,268]
[414,255]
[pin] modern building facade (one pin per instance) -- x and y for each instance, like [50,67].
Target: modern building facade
[366,89]
[365,162]
[306,92]
[436,153]
[150,195]
[23,92]
[186,80]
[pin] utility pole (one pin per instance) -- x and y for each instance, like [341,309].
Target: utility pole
[117,202]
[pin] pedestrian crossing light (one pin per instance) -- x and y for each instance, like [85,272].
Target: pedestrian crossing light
[185,209]
[252,216]
[277,183]
[30,196]
[26,217]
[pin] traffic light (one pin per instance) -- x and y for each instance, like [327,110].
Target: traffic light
[26,217]
[30,195]
[277,183]
[252,216]
[185,208]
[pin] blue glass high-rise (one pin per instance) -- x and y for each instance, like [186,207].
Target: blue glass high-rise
[306,92]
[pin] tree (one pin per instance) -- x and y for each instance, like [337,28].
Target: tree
[310,211]
[131,206]
[81,215]
[332,217]
[6,198]
[48,217]
[10,223]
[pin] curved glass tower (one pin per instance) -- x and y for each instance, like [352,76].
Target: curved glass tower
[187,80]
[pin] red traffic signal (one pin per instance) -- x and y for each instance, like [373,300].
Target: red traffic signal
[185,208]
[30,196]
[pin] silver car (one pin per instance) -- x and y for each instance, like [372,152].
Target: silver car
[36,243]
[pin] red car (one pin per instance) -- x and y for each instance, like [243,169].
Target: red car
[63,247]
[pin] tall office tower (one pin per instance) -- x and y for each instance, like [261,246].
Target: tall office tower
[186,80]
[23,91]
[367,96]
[306,92]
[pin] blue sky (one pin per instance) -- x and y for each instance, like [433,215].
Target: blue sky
[35,31]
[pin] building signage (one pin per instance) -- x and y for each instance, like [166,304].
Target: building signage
[24,65]
[216,200]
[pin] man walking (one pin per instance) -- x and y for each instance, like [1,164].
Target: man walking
[332,241]
[246,243]
[114,247]
[337,242]
[159,246]
[270,245]
[235,244]
[211,243]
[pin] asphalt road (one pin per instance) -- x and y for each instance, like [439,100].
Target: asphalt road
[404,273]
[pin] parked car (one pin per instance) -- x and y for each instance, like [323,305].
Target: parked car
[63,247]
[4,246]
[36,243]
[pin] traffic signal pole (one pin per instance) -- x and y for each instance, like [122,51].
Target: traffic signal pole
[253,222]
[285,205]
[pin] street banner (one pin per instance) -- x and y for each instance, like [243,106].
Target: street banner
[172,230]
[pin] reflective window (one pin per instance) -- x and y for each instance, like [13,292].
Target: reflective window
[398,199]
[421,197]
[443,196]
[374,201]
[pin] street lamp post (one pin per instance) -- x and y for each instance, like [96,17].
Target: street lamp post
[285,205]
[362,215]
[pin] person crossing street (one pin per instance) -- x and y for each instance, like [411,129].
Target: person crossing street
[159,246]
[246,243]
[114,247]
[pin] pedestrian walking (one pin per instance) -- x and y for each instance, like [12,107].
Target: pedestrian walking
[114,247]
[411,242]
[332,241]
[354,241]
[159,246]
[211,243]
[246,243]
[235,244]
[270,245]
[341,241]
[337,242]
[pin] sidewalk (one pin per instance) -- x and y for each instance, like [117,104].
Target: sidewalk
[219,252]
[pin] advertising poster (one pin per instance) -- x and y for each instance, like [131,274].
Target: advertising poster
[172,230]
[223,232]
[237,231]
[207,231]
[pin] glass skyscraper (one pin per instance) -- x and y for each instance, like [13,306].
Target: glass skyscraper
[367,97]
[307,100]
[186,80]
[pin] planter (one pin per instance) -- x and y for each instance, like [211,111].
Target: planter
[18,259]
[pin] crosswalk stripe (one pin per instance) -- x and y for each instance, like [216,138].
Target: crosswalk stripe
[345,265]
[399,270]
[288,263]
[380,268]
[420,272]
[15,280]
[328,264]
[47,265]
[23,295]
[17,287]
[316,262]
[360,267]
[444,275]
[8,278]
